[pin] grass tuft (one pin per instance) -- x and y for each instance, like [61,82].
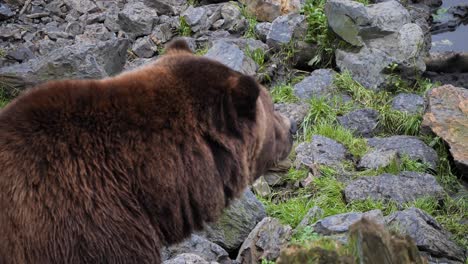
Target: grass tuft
[283,93]
[184,28]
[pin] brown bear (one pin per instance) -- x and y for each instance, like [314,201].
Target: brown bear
[108,171]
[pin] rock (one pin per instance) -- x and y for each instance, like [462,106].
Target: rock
[447,117]
[429,236]
[167,7]
[410,103]
[232,18]
[261,187]
[79,61]
[374,244]
[144,47]
[187,258]
[413,147]
[457,79]
[5,12]
[20,54]
[294,111]
[273,178]
[95,33]
[200,246]
[406,187]
[133,64]
[246,45]
[236,222]
[137,19]
[450,18]
[196,18]
[82,6]
[233,57]
[318,84]
[362,122]
[355,22]
[74,28]
[378,159]
[385,36]
[311,217]
[262,30]
[340,223]
[421,15]
[321,150]
[264,242]
[162,33]
[268,10]
[283,29]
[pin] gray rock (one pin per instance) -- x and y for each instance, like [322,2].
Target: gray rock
[95,33]
[318,84]
[236,222]
[262,30]
[74,28]
[133,64]
[231,56]
[199,246]
[5,12]
[245,45]
[294,111]
[112,19]
[428,235]
[406,187]
[137,19]
[162,33]
[261,187]
[167,7]
[196,18]
[413,147]
[385,35]
[94,18]
[338,224]
[233,21]
[144,47]
[79,61]
[321,150]
[187,258]
[282,29]
[20,54]
[377,159]
[362,122]
[264,242]
[451,19]
[82,6]
[273,178]
[310,218]
[410,103]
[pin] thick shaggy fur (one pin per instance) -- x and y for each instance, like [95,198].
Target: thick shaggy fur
[108,171]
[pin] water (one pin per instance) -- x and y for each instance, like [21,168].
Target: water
[452,40]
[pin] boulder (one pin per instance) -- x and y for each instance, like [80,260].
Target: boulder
[318,84]
[377,159]
[262,30]
[409,103]
[268,10]
[236,222]
[340,223]
[264,242]
[5,12]
[137,19]
[310,218]
[187,258]
[232,56]
[167,7]
[284,29]
[321,150]
[196,18]
[383,34]
[261,187]
[413,147]
[428,234]
[402,188]
[78,61]
[144,47]
[447,117]
[294,111]
[82,6]
[362,122]
[200,246]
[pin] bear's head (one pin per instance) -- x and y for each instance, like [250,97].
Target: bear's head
[234,105]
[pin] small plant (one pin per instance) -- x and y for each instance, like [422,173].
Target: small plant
[265,261]
[294,175]
[184,28]
[201,51]
[283,94]
[252,22]
[258,55]
[2,53]
[290,211]
[193,2]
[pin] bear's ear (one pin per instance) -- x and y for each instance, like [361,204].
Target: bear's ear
[178,45]
[245,92]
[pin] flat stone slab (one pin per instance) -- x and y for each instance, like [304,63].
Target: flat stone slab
[447,117]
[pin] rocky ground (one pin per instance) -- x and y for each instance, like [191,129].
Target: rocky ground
[377,140]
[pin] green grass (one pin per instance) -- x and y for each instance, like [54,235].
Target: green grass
[252,22]
[283,93]
[290,211]
[184,28]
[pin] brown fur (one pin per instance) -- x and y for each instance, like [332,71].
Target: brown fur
[107,171]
